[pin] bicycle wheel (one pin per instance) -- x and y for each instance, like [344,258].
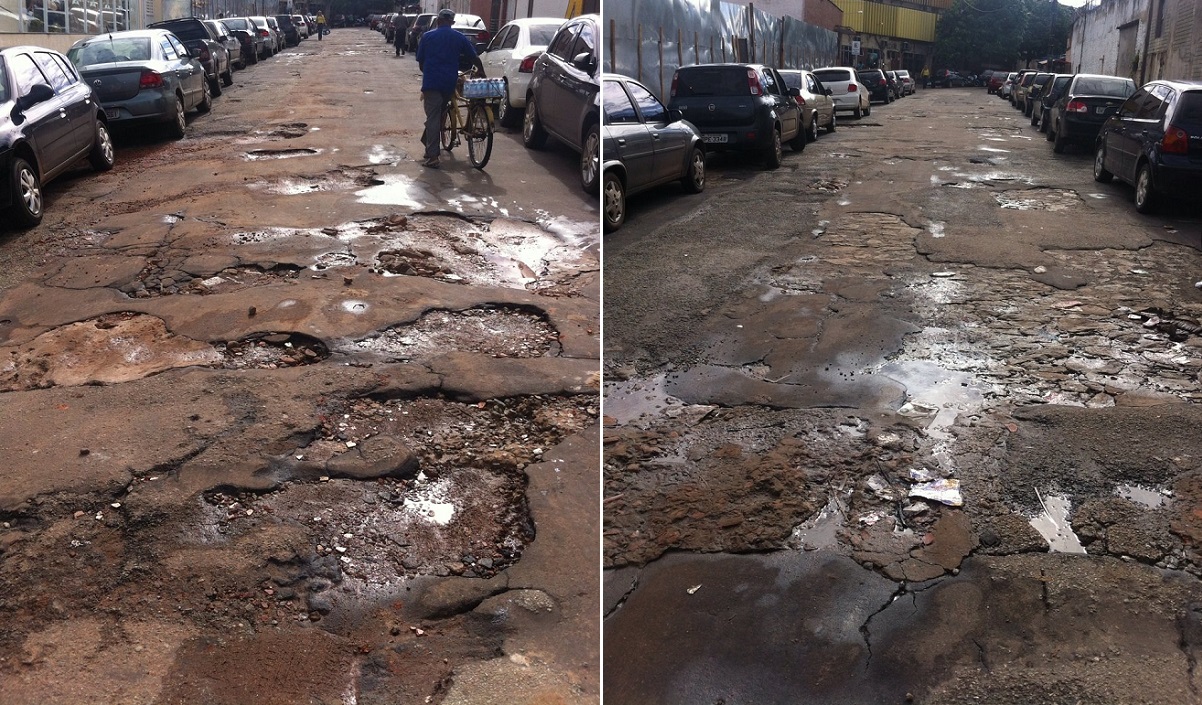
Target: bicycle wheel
[479,135]
[447,135]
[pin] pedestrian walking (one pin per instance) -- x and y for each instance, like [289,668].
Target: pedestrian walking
[926,77]
[438,56]
[400,33]
[321,24]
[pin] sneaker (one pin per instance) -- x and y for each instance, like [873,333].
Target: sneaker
[431,162]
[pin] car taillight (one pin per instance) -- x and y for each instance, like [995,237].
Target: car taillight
[527,66]
[851,88]
[753,82]
[150,79]
[482,37]
[1076,106]
[673,91]
[1176,141]
[800,101]
[264,33]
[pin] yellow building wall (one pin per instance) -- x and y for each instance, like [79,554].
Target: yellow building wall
[889,20]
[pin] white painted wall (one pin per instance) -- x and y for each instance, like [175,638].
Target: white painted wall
[1094,40]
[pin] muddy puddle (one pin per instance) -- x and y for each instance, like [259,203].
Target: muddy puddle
[1043,199]
[262,154]
[497,332]
[337,180]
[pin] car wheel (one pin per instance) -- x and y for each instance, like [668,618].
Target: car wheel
[830,126]
[775,153]
[694,178]
[813,134]
[1099,165]
[533,134]
[801,139]
[102,157]
[613,195]
[178,122]
[206,102]
[507,115]
[227,78]
[214,85]
[858,113]
[868,110]
[1034,118]
[1059,142]
[1145,197]
[27,194]
[590,158]
[1043,122]
[1051,133]
[252,57]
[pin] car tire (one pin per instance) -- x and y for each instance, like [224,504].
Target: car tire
[1051,133]
[1043,122]
[102,156]
[1034,118]
[214,85]
[534,136]
[613,201]
[1059,142]
[227,78]
[868,110]
[590,158]
[252,57]
[508,115]
[775,154]
[831,126]
[178,123]
[858,112]
[1100,174]
[800,140]
[1145,195]
[812,135]
[694,176]
[27,194]
[206,103]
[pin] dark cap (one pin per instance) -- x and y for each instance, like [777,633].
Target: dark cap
[446,14]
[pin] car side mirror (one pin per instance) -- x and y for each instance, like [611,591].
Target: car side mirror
[40,93]
[829,91]
[794,92]
[586,62]
[675,115]
[194,52]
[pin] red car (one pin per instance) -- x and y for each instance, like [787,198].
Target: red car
[996,79]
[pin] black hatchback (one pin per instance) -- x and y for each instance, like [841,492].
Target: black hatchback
[1154,141]
[877,84]
[49,120]
[1078,114]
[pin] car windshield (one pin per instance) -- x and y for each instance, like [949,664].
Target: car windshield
[110,50]
[832,76]
[1117,87]
[712,80]
[540,34]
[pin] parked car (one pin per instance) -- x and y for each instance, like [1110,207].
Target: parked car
[947,78]
[895,84]
[1017,85]
[291,33]
[49,120]
[511,56]
[253,43]
[1008,85]
[996,79]
[281,42]
[1019,95]
[877,84]
[212,54]
[1077,115]
[233,46]
[271,38]
[905,81]
[1047,96]
[302,26]
[814,99]
[1154,142]
[646,145]
[746,107]
[563,96]
[846,90]
[420,24]
[143,76]
[1033,93]
[472,27]
[388,26]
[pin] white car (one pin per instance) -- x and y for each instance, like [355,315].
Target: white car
[511,56]
[301,26]
[847,91]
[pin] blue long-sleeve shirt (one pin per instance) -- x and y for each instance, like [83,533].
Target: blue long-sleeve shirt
[438,55]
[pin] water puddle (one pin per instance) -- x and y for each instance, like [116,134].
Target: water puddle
[379,154]
[1150,498]
[939,394]
[1053,524]
[494,331]
[393,190]
[1045,199]
[994,150]
[821,531]
[641,401]
[261,154]
[333,260]
[337,180]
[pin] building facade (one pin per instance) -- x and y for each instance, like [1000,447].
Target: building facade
[1140,39]
[889,35]
[1174,32]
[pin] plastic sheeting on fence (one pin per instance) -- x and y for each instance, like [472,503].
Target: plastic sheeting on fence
[650,39]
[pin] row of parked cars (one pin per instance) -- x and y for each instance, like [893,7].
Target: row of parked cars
[56,109]
[739,107]
[1150,136]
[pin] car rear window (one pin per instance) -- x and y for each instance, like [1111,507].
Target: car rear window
[540,34]
[111,50]
[1117,87]
[186,31]
[1190,109]
[238,23]
[712,80]
[792,78]
[832,76]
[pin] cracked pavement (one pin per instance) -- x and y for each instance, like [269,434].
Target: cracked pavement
[289,418]
[926,298]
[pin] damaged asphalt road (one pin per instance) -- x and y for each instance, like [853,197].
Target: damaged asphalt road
[926,299]
[289,418]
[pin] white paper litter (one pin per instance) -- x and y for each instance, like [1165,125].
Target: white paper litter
[942,491]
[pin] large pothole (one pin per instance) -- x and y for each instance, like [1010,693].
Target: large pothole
[1041,199]
[495,331]
[272,351]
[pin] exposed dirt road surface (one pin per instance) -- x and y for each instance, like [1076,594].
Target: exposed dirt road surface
[914,418]
[290,419]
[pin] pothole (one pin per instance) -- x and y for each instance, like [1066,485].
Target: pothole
[271,351]
[333,260]
[829,185]
[1044,199]
[336,180]
[108,349]
[494,331]
[261,154]
[163,280]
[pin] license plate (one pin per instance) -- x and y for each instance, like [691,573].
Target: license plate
[1101,111]
[112,113]
[714,139]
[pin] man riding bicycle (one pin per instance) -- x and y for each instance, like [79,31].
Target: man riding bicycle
[438,54]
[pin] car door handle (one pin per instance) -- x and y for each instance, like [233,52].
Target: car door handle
[655,137]
[62,112]
[622,140]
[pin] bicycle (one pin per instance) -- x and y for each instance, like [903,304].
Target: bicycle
[472,119]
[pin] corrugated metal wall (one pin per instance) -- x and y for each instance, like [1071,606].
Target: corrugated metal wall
[890,20]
